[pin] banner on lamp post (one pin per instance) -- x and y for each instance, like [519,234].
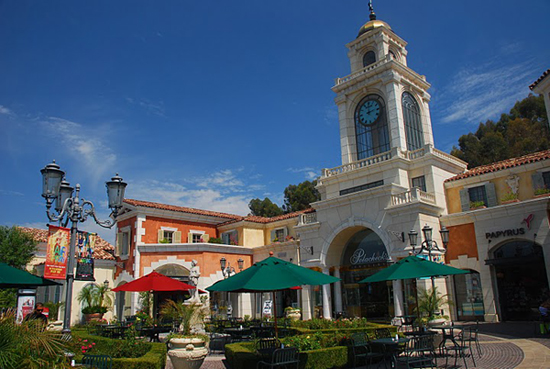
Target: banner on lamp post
[57,252]
[85,243]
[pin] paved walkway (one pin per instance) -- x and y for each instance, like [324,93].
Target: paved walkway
[504,345]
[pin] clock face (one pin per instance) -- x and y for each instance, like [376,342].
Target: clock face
[369,112]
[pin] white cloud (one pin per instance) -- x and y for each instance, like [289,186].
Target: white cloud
[10,193]
[5,111]
[330,114]
[85,144]
[477,94]
[155,108]
[309,172]
[199,198]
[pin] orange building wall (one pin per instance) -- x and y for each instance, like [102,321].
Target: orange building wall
[462,241]
[129,263]
[208,262]
[153,224]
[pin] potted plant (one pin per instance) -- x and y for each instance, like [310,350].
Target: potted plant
[542,191]
[187,348]
[293,313]
[96,300]
[474,205]
[430,307]
[509,198]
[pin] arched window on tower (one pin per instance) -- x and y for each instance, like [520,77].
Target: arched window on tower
[369,58]
[413,123]
[371,127]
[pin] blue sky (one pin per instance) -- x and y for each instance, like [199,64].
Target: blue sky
[209,104]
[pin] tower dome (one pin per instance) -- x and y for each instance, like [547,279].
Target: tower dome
[372,24]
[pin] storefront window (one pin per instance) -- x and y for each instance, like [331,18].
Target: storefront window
[364,255]
[469,296]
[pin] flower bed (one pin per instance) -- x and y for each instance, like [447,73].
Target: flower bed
[126,353]
[319,349]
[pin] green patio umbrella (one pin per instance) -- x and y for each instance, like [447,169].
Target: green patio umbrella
[412,267]
[271,274]
[11,277]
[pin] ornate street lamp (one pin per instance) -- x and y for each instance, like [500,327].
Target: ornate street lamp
[429,244]
[74,209]
[228,270]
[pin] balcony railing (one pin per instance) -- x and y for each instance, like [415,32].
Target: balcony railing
[367,69]
[308,218]
[413,195]
[385,156]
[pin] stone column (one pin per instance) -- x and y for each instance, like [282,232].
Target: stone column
[326,298]
[338,292]
[306,303]
[398,297]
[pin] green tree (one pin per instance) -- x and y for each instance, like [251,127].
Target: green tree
[264,208]
[17,248]
[523,131]
[299,197]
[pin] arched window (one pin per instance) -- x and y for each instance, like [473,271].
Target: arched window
[174,271]
[371,127]
[369,58]
[413,123]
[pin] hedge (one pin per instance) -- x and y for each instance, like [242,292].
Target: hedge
[155,358]
[243,355]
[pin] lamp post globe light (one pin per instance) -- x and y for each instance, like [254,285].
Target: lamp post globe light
[69,207]
[227,271]
[429,244]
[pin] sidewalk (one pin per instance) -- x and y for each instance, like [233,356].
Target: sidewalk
[505,346]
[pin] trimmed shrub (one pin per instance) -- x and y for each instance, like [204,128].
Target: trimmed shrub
[242,355]
[331,357]
[151,355]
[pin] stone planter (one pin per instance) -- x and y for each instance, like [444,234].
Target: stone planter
[187,353]
[509,201]
[90,317]
[293,314]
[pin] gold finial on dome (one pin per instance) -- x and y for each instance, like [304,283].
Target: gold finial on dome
[372,15]
[373,22]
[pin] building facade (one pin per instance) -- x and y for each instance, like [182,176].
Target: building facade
[392,180]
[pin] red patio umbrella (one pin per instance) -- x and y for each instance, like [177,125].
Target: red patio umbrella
[154,282]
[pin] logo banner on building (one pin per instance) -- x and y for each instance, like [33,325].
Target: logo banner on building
[85,243]
[56,253]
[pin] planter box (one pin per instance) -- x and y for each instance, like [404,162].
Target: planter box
[509,201]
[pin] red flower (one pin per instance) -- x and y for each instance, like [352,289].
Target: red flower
[90,346]
[83,347]
[83,351]
[93,343]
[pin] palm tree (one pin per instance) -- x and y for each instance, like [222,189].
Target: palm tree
[430,303]
[187,314]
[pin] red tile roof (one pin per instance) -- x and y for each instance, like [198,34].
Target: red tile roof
[180,209]
[539,80]
[500,165]
[232,217]
[103,249]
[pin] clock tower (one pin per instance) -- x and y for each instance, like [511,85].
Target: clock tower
[382,104]
[390,180]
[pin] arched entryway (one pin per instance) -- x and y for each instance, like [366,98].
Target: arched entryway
[521,280]
[365,254]
[175,271]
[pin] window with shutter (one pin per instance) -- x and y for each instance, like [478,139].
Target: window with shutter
[478,196]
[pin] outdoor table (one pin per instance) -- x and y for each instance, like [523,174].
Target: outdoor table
[447,336]
[238,334]
[419,333]
[391,347]
[153,332]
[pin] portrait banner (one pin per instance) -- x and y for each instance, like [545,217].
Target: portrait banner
[56,252]
[85,243]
